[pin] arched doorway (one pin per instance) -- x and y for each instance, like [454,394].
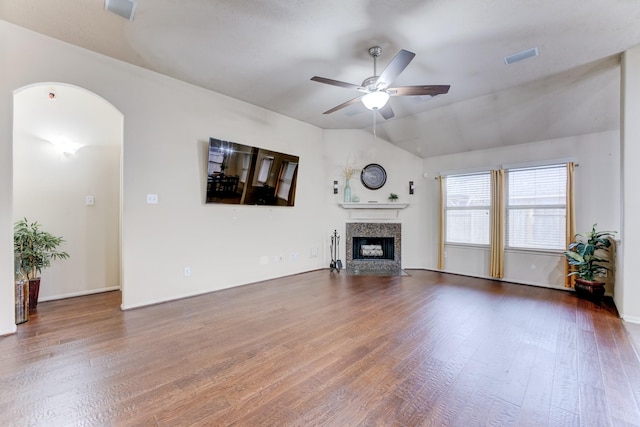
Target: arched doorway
[74,195]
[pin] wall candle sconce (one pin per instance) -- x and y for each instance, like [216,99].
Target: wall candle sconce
[411,187]
[335,187]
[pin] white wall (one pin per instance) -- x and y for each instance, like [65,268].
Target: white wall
[628,290]
[50,188]
[7,307]
[597,196]
[359,149]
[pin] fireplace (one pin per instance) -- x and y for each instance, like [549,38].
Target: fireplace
[373,247]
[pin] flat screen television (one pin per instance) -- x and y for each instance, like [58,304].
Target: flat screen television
[242,175]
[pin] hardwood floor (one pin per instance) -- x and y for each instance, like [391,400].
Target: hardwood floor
[318,349]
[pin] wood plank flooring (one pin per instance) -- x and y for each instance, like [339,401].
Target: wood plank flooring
[429,349]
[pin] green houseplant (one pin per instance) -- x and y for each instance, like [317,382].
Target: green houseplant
[393,197]
[586,256]
[35,249]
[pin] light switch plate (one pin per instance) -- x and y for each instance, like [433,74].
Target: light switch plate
[90,200]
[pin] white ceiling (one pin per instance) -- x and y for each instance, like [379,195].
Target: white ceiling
[265,52]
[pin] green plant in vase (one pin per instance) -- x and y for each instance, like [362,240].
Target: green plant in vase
[586,256]
[35,250]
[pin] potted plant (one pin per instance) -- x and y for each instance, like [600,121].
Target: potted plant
[393,197]
[35,249]
[586,256]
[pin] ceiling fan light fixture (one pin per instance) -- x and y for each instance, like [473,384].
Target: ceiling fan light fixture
[375,100]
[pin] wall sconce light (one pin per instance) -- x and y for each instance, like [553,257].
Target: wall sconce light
[65,145]
[335,187]
[411,187]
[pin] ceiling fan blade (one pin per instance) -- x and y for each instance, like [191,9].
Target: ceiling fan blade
[343,105]
[432,90]
[395,67]
[334,82]
[387,112]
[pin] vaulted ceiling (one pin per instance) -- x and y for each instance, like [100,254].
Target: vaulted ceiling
[265,52]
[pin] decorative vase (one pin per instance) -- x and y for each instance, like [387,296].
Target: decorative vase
[34,291]
[347,192]
[590,289]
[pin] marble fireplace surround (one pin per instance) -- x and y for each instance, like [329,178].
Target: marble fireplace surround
[373,229]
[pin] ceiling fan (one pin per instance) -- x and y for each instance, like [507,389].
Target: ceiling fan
[376,90]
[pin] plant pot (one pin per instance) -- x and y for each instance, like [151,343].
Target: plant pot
[590,289]
[34,291]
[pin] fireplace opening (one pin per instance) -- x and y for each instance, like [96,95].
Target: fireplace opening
[373,248]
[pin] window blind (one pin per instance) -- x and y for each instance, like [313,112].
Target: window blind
[286,180]
[536,208]
[467,207]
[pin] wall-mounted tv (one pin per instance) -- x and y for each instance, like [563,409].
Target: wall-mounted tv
[242,175]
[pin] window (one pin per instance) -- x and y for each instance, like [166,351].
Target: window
[246,161]
[216,159]
[467,208]
[265,168]
[289,168]
[536,209]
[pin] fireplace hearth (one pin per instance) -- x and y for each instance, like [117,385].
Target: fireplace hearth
[373,248]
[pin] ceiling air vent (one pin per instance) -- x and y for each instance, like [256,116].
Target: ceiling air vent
[521,56]
[124,8]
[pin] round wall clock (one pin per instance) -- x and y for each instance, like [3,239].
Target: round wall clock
[373,176]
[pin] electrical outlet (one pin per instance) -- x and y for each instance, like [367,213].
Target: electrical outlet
[152,199]
[187,271]
[90,201]
[277,258]
[294,256]
[314,252]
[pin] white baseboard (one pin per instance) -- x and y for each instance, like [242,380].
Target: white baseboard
[207,291]
[79,293]
[631,319]
[9,331]
[171,298]
[505,280]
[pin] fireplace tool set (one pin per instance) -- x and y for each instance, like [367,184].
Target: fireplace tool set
[336,264]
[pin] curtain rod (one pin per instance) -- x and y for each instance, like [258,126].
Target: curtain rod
[507,166]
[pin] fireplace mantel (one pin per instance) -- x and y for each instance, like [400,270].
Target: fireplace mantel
[393,205]
[373,210]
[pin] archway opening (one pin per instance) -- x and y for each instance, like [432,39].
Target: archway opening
[67,173]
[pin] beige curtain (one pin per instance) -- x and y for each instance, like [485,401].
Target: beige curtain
[441,225]
[497,224]
[569,281]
